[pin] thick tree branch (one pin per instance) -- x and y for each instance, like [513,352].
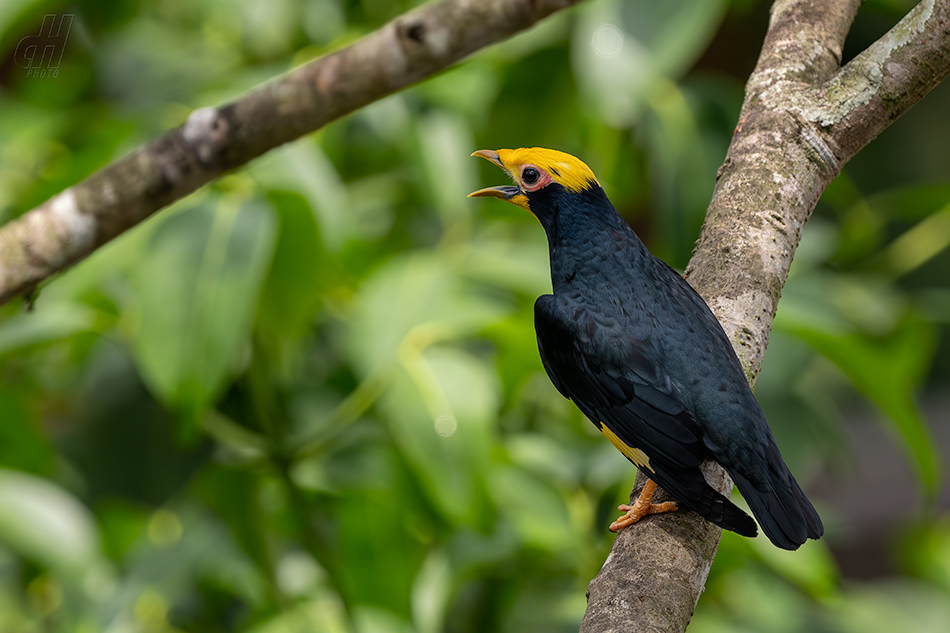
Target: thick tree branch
[803,44]
[883,82]
[412,47]
[802,119]
[792,140]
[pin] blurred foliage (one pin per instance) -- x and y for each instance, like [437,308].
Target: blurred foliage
[308,398]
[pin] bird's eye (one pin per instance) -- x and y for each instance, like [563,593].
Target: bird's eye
[530,176]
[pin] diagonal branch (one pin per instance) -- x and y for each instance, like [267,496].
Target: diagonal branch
[792,140]
[803,44]
[802,119]
[416,45]
[887,79]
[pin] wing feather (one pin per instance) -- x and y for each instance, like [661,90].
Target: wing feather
[615,382]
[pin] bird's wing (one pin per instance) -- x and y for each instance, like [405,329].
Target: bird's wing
[614,380]
[734,430]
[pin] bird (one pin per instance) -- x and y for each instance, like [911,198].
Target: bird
[639,352]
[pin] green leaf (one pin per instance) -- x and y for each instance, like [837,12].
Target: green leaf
[639,45]
[322,613]
[43,522]
[196,291]
[440,408]
[380,548]
[235,497]
[681,171]
[519,496]
[242,444]
[446,141]
[466,88]
[926,552]
[432,592]
[887,369]
[304,168]
[11,11]
[122,524]
[504,258]
[297,278]
[370,619]
[414,301]
[917,246]
[45,324]
[22,443]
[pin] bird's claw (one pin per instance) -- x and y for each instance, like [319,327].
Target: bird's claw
[643,506]
[634,514]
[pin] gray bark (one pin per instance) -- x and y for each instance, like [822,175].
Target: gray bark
[803,118]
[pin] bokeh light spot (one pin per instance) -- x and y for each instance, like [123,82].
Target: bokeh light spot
[607,41]
[445,425]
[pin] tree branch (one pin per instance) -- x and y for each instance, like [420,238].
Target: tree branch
[416,45]
[802,119]
[886,80]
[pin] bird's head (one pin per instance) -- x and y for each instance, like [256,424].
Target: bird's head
[543,177]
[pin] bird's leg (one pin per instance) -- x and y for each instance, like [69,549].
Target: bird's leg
[642,507]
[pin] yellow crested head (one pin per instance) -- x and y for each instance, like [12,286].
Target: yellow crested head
[566,170]
[533,168]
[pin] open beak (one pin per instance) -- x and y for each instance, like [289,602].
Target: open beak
[505,192]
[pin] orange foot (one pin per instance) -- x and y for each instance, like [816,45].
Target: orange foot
[643,506]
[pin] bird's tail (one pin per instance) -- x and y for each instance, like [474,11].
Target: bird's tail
[690,489]
[786,515]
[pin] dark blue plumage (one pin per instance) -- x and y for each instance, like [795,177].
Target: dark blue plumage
[640,353]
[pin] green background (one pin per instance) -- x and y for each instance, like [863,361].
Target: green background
[308,397]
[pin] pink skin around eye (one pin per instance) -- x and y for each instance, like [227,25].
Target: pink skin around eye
[544,178]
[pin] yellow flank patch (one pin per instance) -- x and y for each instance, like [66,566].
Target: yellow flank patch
[567,170]
[635,455]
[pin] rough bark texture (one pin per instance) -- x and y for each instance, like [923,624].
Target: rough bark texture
[656,569]
[803,118]
[411,47]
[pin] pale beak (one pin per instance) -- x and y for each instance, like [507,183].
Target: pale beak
[490,154]
[505,192]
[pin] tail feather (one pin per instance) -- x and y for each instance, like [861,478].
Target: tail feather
[787,517]
[690,489]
